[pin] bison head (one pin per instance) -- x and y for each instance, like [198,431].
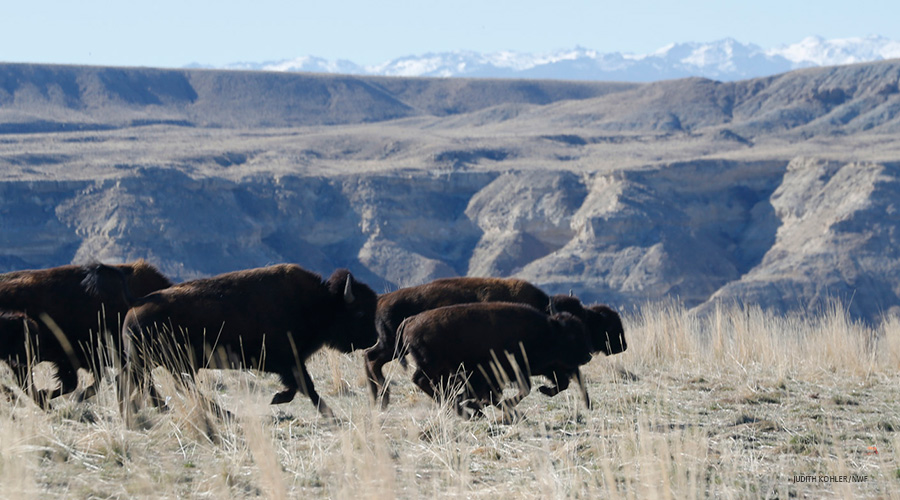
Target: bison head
[607,332]
[354,326]
[572,342]
[601,321]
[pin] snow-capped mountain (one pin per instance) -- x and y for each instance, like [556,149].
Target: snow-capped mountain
[725,59]
[814,51]
[307,64]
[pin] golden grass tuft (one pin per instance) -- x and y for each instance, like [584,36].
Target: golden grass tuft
[738,404]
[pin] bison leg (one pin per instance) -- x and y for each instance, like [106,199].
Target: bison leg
[300,380]
[562,383]
[446,388]
[559,383]
[480,392]
[376,358]
[423,382]
[285,396]
[472,403]
[132,385]
[476,403]
[68,382]
[550,390]
[579,378]
[127,383]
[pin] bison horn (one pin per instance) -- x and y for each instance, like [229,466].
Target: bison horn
[348,290]
[552,308]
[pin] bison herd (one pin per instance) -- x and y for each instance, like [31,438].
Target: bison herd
[469,337]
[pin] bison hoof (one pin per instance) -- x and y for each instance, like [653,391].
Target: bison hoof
[385,399]
[284,397]
[549,390]
[327,414]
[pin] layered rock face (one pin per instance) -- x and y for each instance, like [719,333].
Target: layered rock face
[778,192]
[838,236]
[784,236]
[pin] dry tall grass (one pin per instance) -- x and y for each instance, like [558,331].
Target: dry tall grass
[741,404]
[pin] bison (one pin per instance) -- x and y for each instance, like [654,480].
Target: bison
[603,323]
[72,305]
[607,336]
[484,345]
[271,319]
[396,306]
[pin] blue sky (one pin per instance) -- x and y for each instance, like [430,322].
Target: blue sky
[174,33]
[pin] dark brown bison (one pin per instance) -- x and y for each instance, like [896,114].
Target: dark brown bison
[469,352]
[271,319]
[75,307]
[394,307]
[607,334]
[603,323]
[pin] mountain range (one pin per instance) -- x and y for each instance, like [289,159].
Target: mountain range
[724,60]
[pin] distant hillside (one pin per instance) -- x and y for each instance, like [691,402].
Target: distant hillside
[43,98]
[777,191]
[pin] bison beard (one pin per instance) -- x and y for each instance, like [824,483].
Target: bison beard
[483,346]
[271,319]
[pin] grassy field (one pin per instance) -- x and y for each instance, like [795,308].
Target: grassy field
[737,405]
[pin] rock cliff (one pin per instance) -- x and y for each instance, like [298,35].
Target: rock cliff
[779,191]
